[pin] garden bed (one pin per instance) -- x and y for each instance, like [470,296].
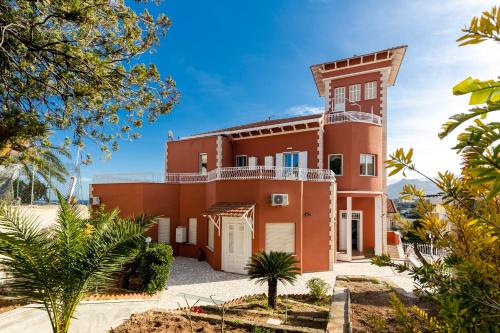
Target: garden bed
[297,313]
[10,303]
[370,307]
[121,294]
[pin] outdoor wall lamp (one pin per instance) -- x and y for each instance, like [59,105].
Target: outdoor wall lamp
[307,213]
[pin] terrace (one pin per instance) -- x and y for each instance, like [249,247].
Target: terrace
[228,173]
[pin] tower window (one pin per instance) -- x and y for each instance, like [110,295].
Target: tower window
[335,163]
[355,93]
[367,165]
[371,90]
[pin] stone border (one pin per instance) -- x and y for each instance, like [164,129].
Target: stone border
[340,312]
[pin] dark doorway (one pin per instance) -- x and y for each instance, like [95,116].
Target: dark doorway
[354,234]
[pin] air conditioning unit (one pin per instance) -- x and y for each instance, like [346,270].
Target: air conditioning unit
[95,201]
[181,234]
[279,199]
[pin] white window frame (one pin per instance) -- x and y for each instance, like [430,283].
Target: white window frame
[370,90]
[200,164]
[355,93]
[236,161]
[362,160]
[339,99]
[271,224]
[211,236]
[192,230]
[341,163]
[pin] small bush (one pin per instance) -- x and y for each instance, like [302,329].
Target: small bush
[318,288]
[153,267]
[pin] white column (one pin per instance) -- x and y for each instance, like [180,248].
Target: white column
[378,225]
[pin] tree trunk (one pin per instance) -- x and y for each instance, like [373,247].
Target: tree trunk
[272,292]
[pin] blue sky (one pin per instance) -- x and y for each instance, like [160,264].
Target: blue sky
[243,61]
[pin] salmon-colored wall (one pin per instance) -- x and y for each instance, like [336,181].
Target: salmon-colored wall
[181,202]
[133,199]
[316,227]
[366,105]
[183,155]
[367,206]
[351,140]
[227,152]
[393,238]
[261,147]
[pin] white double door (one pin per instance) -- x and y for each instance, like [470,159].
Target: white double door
[350,234]
[236,245]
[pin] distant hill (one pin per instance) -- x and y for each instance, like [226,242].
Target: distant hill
[393,190]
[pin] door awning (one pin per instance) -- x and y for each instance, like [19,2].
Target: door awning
[242,210]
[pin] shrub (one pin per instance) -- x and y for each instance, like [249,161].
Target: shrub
[273,267]
[318,288]
[153,267]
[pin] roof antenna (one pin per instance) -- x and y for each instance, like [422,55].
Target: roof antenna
[269,117]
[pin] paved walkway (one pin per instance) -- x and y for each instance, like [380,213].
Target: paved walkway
[196,279]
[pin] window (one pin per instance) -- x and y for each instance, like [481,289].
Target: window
[339,99]
[335,163]
[371,90]
[193,222]
[367,165]
[241,160]
[203,163]
[280,237]
[210,235]
[291,159]
[355,93]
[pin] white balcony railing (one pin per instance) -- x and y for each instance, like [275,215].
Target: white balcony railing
[353,116]
[230,173]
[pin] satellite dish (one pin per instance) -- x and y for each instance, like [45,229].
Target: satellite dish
[170,135]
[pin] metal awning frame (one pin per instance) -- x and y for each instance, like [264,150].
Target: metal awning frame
[248,216]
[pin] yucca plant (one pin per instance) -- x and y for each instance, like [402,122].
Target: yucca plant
[273,267]
[56,267]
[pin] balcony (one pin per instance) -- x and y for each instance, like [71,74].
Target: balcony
[230,173]
[353,116]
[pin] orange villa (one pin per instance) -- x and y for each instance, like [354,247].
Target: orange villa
[313,185]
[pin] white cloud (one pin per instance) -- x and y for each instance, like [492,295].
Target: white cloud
[304,109]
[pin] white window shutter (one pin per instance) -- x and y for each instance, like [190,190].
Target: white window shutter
[279,160]
[280,237]
[252,162]
[193,222]
[164,230]
[303,159]
[279,165]
[269,162]
[210,235]
[303,164]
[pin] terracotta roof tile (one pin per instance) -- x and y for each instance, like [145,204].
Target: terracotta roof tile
[234,209]
[265,123]
[391,207]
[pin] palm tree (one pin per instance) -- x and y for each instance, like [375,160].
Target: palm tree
[56,267]
[273,267]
